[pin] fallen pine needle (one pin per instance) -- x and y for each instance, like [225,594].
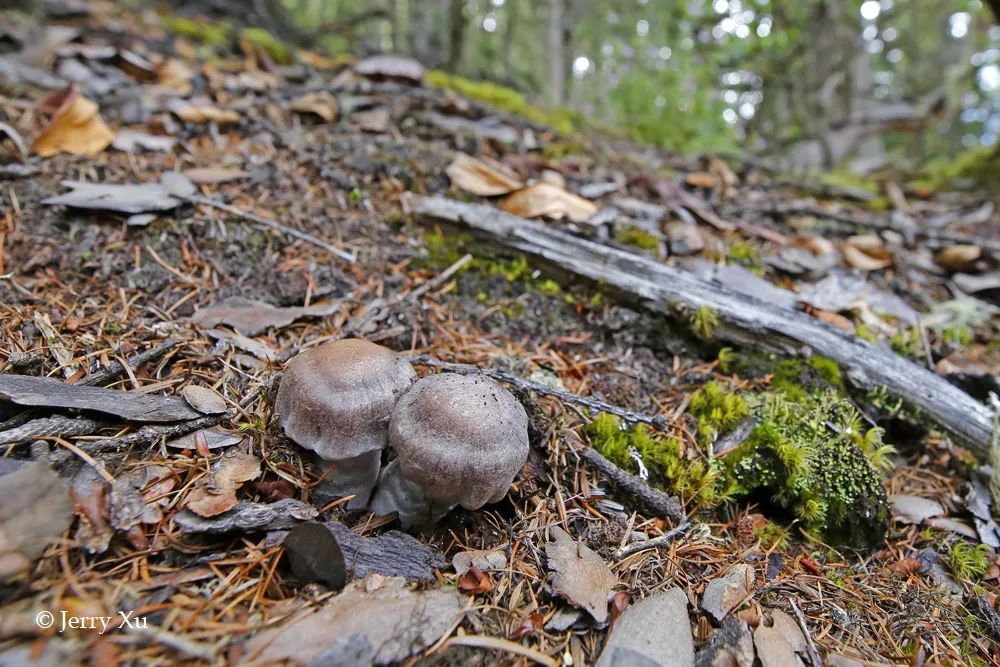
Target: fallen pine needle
[498,644]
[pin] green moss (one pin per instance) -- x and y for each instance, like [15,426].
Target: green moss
[661,456]
[745,254]
[200,30]
[969,561]
[796,378]
[773,536]
[637,237]
[850,181]
[275,48]
[703,321]
[727,357]
[978,167]
[561,120]
[556,151]
[717,411]
[814,458]
[810,456]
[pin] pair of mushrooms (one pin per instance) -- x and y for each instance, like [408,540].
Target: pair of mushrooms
[458,440]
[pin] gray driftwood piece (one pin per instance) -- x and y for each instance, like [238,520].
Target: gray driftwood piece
[48,392]
[743,319]
[392,554]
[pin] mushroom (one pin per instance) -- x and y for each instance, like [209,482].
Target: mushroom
[335,400]
[459,440]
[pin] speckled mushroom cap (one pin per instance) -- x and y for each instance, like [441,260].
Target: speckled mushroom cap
[461,438]
[335,399]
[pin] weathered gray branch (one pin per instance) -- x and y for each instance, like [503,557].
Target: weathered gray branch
[742,319]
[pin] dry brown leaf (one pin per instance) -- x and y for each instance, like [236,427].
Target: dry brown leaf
[959,257]
[867,253]
[175,75]
[545,199]
[76,127]
[579,574]
[213,175]
[203,112]
[481,178]
[702,179]
[216,493]
[320,103]
[34,510]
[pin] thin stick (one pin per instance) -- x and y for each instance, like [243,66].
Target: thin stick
[440,279]
[810,646]
[655,543]
[88,458]
[653,500]
[59,426]
[498,644]
[657,421]
[115,369]
[253,217]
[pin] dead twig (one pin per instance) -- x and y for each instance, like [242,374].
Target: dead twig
[115,369]
[59,426]
[439,279]
[811,651]
[652,500]
[253,217]
[596,404]
[655,543]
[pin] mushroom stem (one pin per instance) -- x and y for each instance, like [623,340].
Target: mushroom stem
[349,477]
[397,494]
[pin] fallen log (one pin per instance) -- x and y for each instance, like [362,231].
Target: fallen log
[743,319]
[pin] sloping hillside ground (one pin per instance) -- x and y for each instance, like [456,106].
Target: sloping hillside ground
[779,461]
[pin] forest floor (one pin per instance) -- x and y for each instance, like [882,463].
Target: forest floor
[331,149]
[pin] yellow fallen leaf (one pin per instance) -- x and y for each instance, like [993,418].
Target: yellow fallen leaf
[702,179]
[76,127]
[958,257]
[174,74]
[867,253]
[320,103]
[481,178]
[545,199]
[203,113]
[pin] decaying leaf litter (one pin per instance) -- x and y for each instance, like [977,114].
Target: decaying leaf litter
[267,211]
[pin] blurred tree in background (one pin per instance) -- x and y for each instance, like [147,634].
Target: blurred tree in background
[812,82]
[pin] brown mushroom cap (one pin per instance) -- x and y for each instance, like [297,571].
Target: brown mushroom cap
[461,438]
[335,399]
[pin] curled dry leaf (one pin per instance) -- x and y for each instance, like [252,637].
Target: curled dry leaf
[480,177]
[867,253]
[216,493]
[474,582]
[191,111]
[76,127]
[702,179]
[545,199]
[579,574]
[959,257]
[213,175]
[251,317]
[34,510]
[174,74]
[390,66]
[319,103]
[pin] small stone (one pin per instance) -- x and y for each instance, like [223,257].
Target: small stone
[773,649]
[914,509]
[722,595]
[654,631]
[685,239]
[729,646]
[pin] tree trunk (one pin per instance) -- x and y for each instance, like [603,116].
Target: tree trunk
[556,50]
[456,34]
